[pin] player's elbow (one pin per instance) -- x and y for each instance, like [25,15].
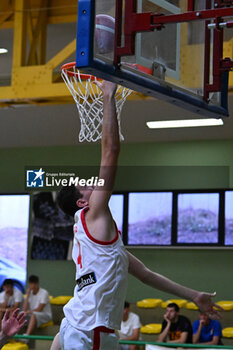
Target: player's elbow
[144,274]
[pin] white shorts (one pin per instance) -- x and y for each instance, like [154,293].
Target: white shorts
[99,338]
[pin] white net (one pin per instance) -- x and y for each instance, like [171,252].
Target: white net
[89,100]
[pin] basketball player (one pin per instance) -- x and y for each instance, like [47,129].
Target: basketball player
[102,263]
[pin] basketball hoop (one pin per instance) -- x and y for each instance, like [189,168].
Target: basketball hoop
[89,100]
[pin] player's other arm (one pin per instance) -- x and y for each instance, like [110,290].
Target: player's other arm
[155,280]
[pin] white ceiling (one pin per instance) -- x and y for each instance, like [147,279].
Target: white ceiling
[59,124]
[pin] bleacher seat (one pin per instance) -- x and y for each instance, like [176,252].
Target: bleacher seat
[180,302]
[47,324]
[227,305]
[191,306]
[60,300]
[151,328]
[227,332]
[13,345]
[149,303]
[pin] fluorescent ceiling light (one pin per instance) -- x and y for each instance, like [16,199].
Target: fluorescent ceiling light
[2,50]
[184,123]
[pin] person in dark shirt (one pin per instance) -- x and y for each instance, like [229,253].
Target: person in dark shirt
[175,328]
[207,331]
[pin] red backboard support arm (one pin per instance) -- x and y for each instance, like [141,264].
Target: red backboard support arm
[140,22]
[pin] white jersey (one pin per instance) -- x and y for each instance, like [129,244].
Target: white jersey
[41,297]
[101,277]
[128,326]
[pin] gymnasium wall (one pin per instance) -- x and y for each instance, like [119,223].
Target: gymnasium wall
[207,269]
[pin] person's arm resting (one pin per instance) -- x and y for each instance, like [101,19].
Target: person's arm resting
[39,308]
[134,335]
[196,332]
[163,335]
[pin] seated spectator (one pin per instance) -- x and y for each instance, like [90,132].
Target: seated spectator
[10,299]
[36,305]
[10,325]
[207,331]
[130,328]
[175,328]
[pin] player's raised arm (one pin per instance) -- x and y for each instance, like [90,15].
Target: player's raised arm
[110,148]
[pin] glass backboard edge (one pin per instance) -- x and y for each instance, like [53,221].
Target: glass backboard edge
[144,85]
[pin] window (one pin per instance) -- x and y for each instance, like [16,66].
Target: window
[166,218]
[198,218]
[14,219]
[149,219]
[229,218]
[116,206]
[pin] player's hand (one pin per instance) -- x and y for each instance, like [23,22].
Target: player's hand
[205,304]
[12,324]
[108,88]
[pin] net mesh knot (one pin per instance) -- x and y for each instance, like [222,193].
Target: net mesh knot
[89,101]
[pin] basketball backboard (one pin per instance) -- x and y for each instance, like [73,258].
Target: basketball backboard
[169,49]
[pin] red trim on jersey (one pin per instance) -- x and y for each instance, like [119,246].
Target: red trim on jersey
[90,236]
[97,330]
[79,259]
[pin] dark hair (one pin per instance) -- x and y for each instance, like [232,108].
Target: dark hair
[33,279]
[175,306]
[127,305]
[67,198]
[8,282]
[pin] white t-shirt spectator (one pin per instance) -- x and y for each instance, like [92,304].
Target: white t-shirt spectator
[128,326]
[42,297]
[17,297]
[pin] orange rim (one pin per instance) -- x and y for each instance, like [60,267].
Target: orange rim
[66,67]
